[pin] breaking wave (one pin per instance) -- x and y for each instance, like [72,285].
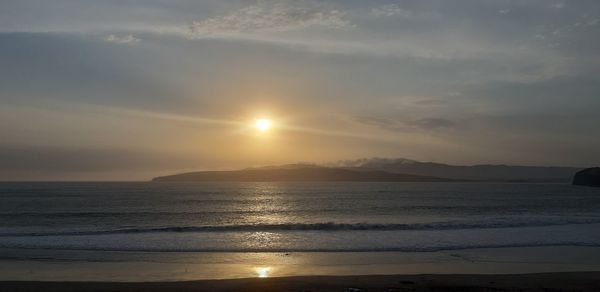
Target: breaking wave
[327,226]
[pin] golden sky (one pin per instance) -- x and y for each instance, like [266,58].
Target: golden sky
[131,90]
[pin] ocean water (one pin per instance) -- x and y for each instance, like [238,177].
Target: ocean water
[294,217]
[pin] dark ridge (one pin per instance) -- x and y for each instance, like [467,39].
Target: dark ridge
[299,173]
[588,177]
[500,173]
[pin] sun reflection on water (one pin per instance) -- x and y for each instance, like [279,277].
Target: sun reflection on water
[263,272]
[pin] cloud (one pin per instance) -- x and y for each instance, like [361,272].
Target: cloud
[431,123]
[268,17]
[386,10]
[123,39]
[390,10]
[575,95]
[397,125]
[504,11]
[72,159]
[558,5]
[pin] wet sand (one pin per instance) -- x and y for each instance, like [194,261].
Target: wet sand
[103,266]
[576,281]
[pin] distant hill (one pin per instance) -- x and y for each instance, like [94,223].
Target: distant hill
[474,172]
[299,172]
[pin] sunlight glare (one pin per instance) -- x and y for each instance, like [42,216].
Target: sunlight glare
[263,124]
[263,272]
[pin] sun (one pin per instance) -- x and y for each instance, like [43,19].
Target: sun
[263,125]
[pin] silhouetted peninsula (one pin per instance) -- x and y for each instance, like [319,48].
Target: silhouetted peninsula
[588,177]
[500,173]
[299,173]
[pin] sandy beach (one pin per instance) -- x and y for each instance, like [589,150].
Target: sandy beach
[579,281]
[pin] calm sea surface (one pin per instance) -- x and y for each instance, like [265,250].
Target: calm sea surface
[288,217]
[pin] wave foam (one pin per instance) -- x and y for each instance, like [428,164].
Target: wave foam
[326,226]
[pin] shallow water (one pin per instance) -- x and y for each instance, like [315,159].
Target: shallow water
[80,265]
[186,231]
[280,217]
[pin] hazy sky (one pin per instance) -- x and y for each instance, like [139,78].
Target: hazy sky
[132,89]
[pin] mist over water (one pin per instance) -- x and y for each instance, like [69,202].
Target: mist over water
[250,217]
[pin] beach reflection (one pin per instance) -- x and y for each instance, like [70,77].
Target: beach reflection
[263,272]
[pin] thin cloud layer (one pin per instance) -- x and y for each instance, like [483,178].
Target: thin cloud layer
[386,10]
[403,125]
[268,17]
[125,39]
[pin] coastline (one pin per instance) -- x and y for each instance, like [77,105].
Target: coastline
[103,266]
[566,281]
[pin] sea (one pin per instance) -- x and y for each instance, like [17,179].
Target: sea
[44,225]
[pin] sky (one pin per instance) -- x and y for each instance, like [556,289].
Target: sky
[127,90]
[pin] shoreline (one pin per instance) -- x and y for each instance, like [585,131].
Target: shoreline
[94,266]
[562,281]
